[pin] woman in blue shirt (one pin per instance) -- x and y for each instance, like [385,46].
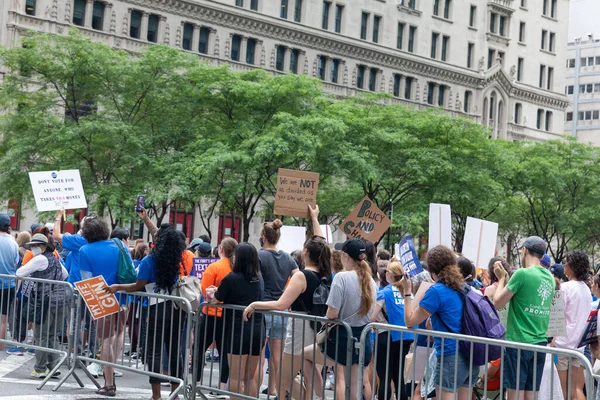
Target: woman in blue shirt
[444,303]
[157,274]
[390,303]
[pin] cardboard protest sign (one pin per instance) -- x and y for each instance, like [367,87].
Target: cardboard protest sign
[54,190]
[328,233]
[558,323]
[295,189]
[408,257]
[590,335]
[366,221]
[292,238]
[479,244]
[440,225]
[99,303]
[200,264]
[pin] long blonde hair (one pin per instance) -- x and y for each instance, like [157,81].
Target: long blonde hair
[365,279]
[396,273]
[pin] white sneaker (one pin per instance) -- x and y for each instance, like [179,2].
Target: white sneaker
[118,373]
[96,370]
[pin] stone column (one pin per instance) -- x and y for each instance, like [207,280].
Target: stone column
[402,86]
[127,22]
[144,26]
[436,94]
[89,10]
[367,78]
[378,80]
[243,49]
[108,17]
[286,59]
[196,38]
[162,20]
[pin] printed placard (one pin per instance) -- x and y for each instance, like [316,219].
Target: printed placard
[99,303]
[292,238]
[408,257]
[54,190]
[440,225]
[200,264]
[479,244]
[328,233]
[295,189]
[590,335]
[558,323]
[366,221]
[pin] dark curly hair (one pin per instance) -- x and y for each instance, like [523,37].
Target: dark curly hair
[442,262]
[167,254]
[95,230]
[492,274]
[579,263]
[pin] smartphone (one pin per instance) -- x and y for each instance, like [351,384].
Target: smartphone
[141,203]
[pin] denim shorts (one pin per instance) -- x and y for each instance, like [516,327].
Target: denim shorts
[464,377]
[525,368]
[275,326]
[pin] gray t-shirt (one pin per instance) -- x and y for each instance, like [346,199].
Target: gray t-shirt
[345,296]
[276,268]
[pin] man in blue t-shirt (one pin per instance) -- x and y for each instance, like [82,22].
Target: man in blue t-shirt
[9,258]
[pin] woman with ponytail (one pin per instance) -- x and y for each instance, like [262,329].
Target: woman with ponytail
[444,303]
[352,300]
[390,306]
[298,296]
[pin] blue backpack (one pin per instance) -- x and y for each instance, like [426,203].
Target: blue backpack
[480,319]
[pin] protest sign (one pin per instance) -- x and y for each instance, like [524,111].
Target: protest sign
[200,264]
[292,238]
[558,323]
[54,190]
[295,189]
[590,335]
[99,303]
[408,257]
[366,221]
[397,250]
[479,244]
[440,225]
[328,233]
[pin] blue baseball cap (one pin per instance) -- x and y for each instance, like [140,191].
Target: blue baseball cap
[545,261]
[4,221]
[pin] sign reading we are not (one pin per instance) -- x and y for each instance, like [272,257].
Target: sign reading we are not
[295,189]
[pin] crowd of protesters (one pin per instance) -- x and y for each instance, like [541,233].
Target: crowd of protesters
[251,293]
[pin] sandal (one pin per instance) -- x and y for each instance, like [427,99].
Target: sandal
[109,391]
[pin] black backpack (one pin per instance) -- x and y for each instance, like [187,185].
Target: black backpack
[319,301]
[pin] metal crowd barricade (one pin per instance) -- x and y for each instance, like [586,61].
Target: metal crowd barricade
[482,371]
[230,337]
[158,333]
[44,305]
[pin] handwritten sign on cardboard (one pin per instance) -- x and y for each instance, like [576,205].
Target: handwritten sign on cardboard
[479,244]
[99,303]
[366,221]
[440,225]
[295,189]
[54,190]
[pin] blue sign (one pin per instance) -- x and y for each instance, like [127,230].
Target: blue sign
[408,257]
[200,264]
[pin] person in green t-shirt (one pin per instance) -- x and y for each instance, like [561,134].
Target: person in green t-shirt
[529,294]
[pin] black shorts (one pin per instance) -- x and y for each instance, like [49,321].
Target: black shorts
[7,298]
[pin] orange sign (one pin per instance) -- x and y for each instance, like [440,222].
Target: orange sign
[100,303]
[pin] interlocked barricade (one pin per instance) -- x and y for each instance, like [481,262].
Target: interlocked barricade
[302,373]
[42,305]
[487,380]
[157,330]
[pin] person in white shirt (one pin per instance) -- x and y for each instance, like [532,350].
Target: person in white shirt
[577,296]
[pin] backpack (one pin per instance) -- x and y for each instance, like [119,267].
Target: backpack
[319,302]
[125,272]
[480,319]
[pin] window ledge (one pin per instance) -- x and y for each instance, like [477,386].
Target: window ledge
[442,19]
[492,37]
[408,10]
[522,43]
[550,18]
[473,28]
[548,52]
[524,8]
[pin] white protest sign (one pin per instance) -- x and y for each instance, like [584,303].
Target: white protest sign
[558,324]
[292,238]
[440,225]
[397,250]
[328,233]
[54,190]
[479,244]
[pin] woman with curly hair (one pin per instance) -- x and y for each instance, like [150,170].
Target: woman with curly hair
[158,272]
[443,303]
[576,295]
